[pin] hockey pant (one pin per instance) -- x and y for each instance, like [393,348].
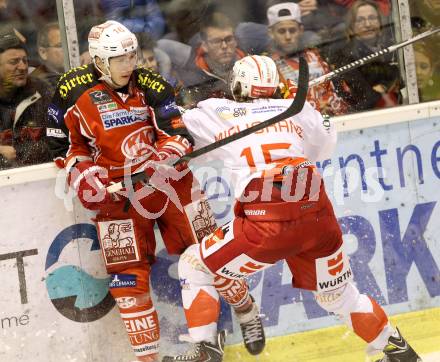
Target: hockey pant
[200,295]
[306,235]
[128,245]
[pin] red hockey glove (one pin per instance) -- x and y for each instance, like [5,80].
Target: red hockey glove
[89,181]
[159,168]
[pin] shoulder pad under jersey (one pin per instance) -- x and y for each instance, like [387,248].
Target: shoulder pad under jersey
[74,83]
[156,88]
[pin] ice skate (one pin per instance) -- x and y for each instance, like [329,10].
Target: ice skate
[202,351]
[252,330]
[398,350]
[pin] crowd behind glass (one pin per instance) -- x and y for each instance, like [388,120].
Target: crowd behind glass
[194,43]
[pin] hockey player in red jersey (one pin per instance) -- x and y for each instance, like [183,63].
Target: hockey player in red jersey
[108,119]
[282,212]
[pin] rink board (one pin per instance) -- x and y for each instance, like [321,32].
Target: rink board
[54,299]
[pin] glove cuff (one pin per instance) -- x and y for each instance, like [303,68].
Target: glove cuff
[83,170]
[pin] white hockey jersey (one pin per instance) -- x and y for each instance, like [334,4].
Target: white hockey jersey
[305,136]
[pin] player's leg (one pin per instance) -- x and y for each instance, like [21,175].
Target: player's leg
[369,321]
[137,311]
[202,308]
[236,293]
[234,251]
[197,219]
[200,299]
[200,291]
[228,254]
[201,288]
[123,238]
[186,221]
[326,270]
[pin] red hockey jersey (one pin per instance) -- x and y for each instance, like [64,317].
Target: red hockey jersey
[88,120]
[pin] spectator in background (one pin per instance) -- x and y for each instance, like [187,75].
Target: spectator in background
[87,14]
[51,53]
[384,6]
[425,14]
[205,74]
[286,31]
[428,10]
[313,20]
[184,18]
[28,17]
[253,37]
[137,15]
[23,106]
[218,51]
[150,56]
[427,79]
[31,16]
[21,18]
[377,84]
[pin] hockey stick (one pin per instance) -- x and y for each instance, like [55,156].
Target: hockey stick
[369,58]
[295,107]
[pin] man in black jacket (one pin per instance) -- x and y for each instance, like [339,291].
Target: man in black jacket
[23,106]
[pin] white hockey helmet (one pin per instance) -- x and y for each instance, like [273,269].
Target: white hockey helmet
[110,39]
[257,76]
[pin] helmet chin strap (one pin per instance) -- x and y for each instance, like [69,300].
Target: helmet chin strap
[237,94]
[107,75]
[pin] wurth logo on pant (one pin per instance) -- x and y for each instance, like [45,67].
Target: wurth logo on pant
[250,268]
[230,274]
[335,266]
[333,271]
[337,282]
[241,267]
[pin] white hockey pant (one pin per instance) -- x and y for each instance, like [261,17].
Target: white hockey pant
[200,294]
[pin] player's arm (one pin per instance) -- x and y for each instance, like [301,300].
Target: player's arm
[319,134]
[197,123]
[66,143]
[79,134]
[67,135]
[172,137]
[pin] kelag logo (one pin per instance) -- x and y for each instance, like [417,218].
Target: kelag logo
[76,294]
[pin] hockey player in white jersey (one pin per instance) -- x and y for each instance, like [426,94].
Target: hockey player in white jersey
[282,212]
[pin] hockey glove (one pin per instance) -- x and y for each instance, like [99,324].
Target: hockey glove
[159,168]
[89,181]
